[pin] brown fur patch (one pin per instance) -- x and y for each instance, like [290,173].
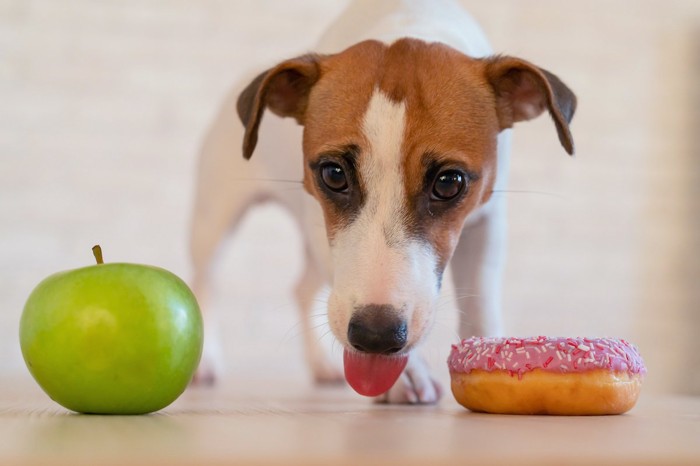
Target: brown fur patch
[450,112]
[451,115]
[337,105]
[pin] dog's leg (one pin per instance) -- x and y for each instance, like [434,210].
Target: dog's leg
[414,386]
[476,270]
[311,280]
[210,365]
[214,217]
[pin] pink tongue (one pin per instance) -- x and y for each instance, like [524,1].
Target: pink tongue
[372,374]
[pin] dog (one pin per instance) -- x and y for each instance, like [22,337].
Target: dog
[398,128]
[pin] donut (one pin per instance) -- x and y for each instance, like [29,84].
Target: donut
[541,375]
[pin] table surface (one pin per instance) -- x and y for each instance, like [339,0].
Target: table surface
[295,423]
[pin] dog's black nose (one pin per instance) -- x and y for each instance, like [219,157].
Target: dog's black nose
[377,329]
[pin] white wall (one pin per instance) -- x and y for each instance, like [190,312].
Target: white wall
[103,105]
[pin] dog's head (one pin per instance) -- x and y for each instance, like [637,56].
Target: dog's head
[399,147]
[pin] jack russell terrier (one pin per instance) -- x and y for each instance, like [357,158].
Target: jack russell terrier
[398,130]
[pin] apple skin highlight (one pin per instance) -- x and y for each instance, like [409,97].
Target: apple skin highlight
[112,338]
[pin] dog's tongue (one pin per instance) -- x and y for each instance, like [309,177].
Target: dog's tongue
[372,374]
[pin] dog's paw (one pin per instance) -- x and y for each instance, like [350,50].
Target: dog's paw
[204,376]
[414,386]
[208,371]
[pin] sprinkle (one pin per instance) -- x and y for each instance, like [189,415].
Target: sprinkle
[576,353]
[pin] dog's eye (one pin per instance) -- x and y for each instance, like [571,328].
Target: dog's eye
[333,176]
[448,185]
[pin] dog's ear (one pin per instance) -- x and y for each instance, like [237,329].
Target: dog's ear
[523,91]
[283,89]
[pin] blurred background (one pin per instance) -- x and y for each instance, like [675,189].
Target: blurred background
[103,106]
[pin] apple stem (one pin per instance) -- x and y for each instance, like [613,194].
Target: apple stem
[97,252]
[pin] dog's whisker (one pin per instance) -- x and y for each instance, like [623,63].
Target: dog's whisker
[281,189]
[527,191]
[296,330]
[325,334]
[272,180]
[461,294]
[463,289]
[284,307]
[286,190]
[333,344]
[469,296]
[460,313]
[292,333]
[450,326]
[458,294]
[321,325]
[319,318]
[447,302]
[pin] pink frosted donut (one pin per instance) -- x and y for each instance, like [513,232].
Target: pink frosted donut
[568,376]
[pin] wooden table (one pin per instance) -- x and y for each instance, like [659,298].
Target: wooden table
[295,423]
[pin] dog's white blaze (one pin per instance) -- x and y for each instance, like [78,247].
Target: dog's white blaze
[375,260]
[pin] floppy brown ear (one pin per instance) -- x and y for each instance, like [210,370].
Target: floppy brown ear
[283,89]
[524,91]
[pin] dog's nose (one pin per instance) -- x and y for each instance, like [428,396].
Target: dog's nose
[377,329]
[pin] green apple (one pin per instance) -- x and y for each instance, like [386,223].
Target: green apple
[112,338]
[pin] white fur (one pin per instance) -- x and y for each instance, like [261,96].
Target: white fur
[226,190]
[374,260]
[388,20]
